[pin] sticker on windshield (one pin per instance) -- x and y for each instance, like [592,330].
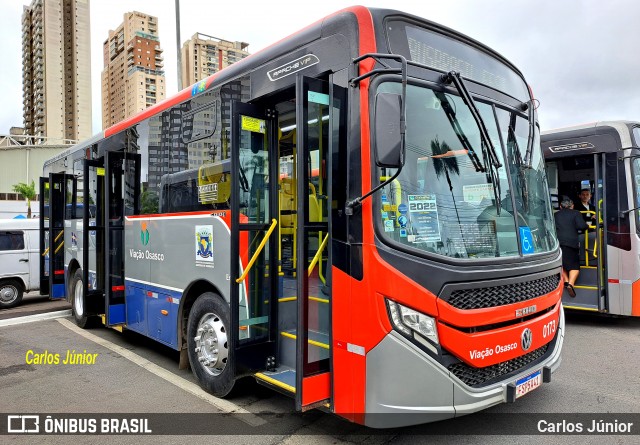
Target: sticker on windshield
[425,226]
[477,192]
[253,124]
[388,225]
[526,239]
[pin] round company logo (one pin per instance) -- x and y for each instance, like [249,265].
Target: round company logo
[144,234]
[526,339]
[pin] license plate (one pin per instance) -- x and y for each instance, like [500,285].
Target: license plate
[528,383]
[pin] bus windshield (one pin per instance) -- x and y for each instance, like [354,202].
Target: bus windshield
[444,200]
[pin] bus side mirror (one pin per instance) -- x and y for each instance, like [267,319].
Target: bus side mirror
[388,124]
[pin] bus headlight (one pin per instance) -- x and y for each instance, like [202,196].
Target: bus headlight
[413,323]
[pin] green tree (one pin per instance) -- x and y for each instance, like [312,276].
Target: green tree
[28,192]
[149,202]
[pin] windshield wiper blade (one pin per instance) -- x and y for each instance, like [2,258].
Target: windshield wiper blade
[453,120]
[532,128]
[492,156]
[455,78]
[520,166]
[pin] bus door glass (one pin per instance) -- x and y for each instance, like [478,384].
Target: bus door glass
[313,338]
[93,254]
[254,265]
[122,191]
[598,244]
[44,235]
[575,174]
[57,198]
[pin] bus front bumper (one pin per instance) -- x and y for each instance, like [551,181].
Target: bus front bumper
[405,386]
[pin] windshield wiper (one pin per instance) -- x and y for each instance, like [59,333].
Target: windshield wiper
[454,77]
[532,128]
[489,151]
[520,166]
[453,120]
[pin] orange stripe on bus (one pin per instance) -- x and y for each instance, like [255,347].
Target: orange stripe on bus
[635,298]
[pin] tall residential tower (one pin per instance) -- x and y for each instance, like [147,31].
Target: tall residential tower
[56,69]
[133,78]
[203,55]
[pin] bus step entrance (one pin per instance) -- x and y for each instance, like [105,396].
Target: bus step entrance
[283,379]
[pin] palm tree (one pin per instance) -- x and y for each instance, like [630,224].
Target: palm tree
[445,162]
[28,192]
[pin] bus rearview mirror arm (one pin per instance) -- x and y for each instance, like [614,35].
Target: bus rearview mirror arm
[385,153]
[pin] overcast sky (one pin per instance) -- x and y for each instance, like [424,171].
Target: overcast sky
[579,56]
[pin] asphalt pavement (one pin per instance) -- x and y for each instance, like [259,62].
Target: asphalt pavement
[132,374]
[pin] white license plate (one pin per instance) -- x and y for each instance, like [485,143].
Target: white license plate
[528,383]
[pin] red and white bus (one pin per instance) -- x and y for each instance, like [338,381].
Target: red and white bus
[603,158]
[357,216]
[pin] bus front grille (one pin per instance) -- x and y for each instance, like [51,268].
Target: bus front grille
[485,297]
[477,377]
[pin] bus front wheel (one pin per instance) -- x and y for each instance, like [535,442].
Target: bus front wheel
[210,355]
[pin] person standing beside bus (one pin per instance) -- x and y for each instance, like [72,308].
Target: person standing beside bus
[586,206]
[568,223]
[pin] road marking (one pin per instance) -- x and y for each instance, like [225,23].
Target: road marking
[35,317]
[221,404]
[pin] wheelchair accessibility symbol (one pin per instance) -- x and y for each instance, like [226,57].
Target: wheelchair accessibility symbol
[526,241]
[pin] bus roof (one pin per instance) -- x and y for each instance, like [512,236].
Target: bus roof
[594,137]
[283,46]
[316,30]
[243,66]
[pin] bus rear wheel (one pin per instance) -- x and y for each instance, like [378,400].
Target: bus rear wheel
[10,293]
[210,355]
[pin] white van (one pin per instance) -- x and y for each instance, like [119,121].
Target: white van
[19,265]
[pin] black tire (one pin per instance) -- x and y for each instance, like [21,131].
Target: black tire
[210,354]
[78,303]
[11,292]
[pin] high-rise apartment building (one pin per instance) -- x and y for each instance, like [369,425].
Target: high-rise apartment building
[56,69]
[133,77]
[203,55]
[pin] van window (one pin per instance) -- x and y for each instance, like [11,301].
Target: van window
[11,241]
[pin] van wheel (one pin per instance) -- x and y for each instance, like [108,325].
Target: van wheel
[10,293]
[78,306]
[210,354]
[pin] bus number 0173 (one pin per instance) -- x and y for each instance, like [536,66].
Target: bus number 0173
[549,329]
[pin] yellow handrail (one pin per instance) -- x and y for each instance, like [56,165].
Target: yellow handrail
[54,242]
[274,222]
[318,253]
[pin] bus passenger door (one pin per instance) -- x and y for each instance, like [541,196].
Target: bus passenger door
[93,254]
[313,336]
[57,199]
[44,236]
[122,192]
[254,266]
[591,285]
